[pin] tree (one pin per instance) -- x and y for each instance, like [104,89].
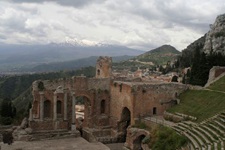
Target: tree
[8,111]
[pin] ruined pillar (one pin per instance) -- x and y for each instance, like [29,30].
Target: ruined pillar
[55,107]
[65,105]
[30,115]
[73,126]
[41,106]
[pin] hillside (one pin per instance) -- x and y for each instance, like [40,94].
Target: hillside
[202,104]
[73,64]
[15,58]
[160,55]
[204,53]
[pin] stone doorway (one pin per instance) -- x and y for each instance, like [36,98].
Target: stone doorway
[83,112]
[123,124]
[47,109]
[154,111]
[138,143]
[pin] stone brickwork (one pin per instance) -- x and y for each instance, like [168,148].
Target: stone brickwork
[135,138]
[104,67]
[110,104]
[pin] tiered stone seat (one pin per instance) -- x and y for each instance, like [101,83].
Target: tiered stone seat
[209,135]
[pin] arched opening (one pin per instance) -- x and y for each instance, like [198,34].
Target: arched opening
[98,72]
[83,111]
[123,124]
[138,143]
[59,107]
[47,109]
[103,106]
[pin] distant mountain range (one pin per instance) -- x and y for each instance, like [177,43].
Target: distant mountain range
[20,57]
[73,64]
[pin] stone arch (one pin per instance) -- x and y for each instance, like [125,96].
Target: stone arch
[47,109]
[103,106]
[87,109]
[124,123]
[98,72]
[137,143]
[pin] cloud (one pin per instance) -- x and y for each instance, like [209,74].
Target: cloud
[73,3]
[144,24]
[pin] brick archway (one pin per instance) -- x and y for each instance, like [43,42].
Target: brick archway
[124,123]
[86,101]
[137,143]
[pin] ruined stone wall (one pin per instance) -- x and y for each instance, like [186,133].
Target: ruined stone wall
[48,125]
[214,72]
[141,99]
[155,96]
[120,97]
[99,83]
[104,67]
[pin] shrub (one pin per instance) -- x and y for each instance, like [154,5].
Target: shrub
[6,120]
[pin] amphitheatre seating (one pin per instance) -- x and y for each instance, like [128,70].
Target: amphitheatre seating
[208,135]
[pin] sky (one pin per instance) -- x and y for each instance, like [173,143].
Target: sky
[140,24]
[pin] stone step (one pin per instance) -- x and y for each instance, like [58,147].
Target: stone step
[193,141]
[217,129]
[215,146]
[197,138]
[219,124]
[106,139]
[207,133]
[207,140]
[213,133]
[222,119]
[53,135]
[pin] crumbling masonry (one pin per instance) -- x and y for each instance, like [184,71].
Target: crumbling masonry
[111,104]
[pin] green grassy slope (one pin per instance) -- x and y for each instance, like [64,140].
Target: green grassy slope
[218,85]
[200,103]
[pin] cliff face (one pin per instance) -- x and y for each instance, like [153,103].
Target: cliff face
[215,38]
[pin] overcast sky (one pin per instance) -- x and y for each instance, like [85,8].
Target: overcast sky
[142,24]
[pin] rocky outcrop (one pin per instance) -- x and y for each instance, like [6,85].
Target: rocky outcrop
[215,38]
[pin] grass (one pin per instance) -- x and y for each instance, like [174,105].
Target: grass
[165,138]
[218,85]
[202,104]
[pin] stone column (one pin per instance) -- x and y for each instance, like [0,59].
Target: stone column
[41,106]
[30,115]
[73,126]
[55,107]
[65,105]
